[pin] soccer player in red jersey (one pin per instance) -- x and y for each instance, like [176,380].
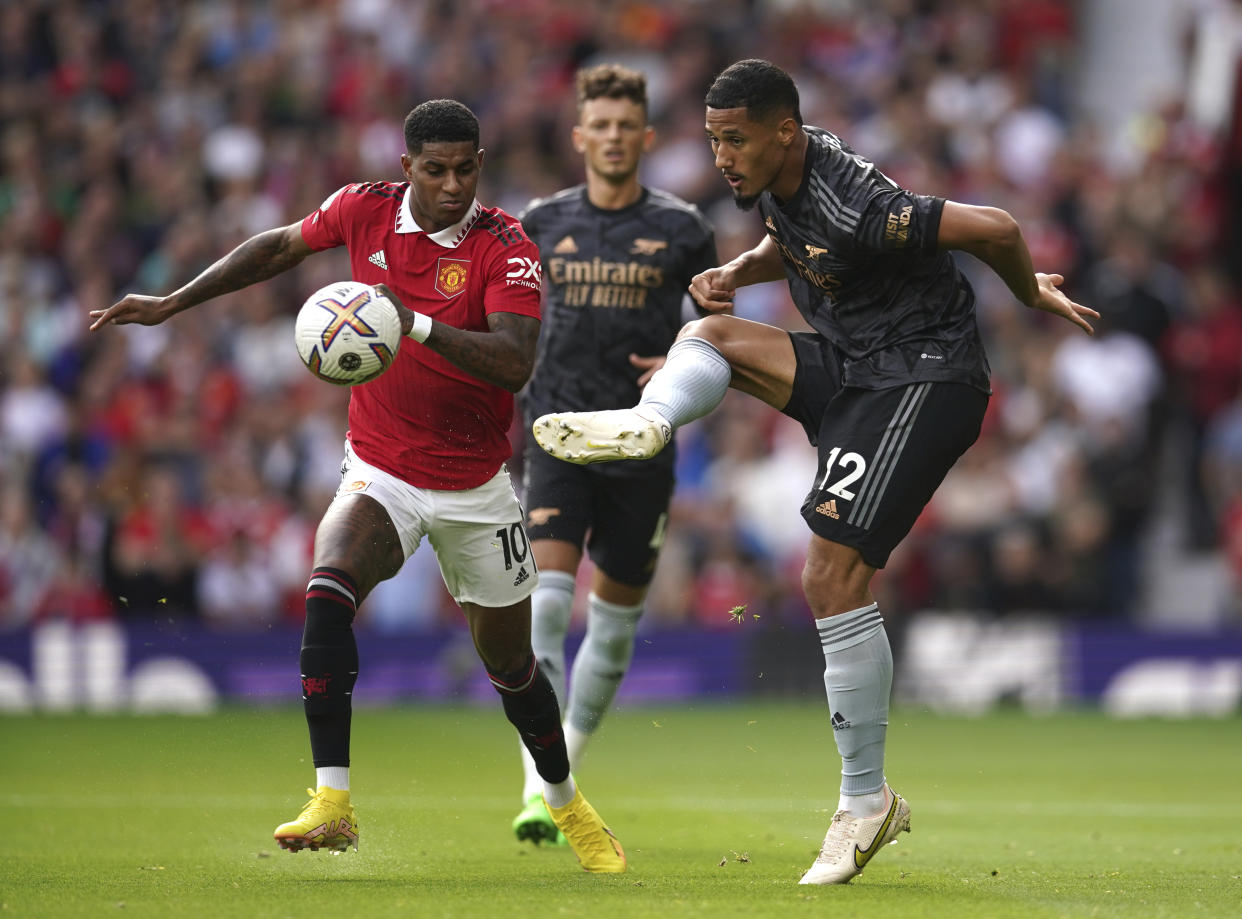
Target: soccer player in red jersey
[425,451]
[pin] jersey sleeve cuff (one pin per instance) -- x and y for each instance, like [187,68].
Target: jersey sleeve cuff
[931,236]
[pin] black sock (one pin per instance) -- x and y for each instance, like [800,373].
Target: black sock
[530,705]
[329,663]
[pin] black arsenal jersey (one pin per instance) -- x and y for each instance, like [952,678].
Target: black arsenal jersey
[614,282]
[865,272]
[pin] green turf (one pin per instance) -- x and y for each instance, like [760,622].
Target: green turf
[720,810]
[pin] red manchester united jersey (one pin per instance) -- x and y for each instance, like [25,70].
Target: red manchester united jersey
[425,420]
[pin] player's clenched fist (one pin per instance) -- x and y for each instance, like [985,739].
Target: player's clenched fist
[713,289]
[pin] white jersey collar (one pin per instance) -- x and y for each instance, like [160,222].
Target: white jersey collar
[449,237]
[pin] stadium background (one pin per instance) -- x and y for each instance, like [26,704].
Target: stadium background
[159,487]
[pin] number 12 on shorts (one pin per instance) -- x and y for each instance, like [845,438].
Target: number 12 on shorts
[852,462]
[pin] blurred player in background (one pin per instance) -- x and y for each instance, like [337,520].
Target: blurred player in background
[425,452]
[891,385]
[617,259]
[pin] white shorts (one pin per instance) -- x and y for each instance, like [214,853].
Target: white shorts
[477,533]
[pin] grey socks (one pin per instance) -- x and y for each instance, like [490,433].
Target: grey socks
[550,607]
[601,662]
[690,384]
[858,677]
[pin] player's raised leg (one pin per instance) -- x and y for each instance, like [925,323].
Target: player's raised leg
[710,355]
[691,383]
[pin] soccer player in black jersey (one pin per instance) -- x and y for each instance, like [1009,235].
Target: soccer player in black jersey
[617,260]
[891,385]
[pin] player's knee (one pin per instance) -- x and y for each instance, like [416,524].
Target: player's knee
[609,641]
[615,650]
[836,582]
[506,661]
[712,329]
[365,573]
[358,536]
[502,653]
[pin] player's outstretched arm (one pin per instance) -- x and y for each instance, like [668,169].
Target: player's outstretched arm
[261,257]
[713,289]
[994,237]
[503,356]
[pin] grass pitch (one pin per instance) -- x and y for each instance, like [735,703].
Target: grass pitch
[720,810]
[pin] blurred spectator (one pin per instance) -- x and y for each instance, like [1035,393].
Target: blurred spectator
[75,522]
[75,594]
[1112,384]
[1222,462]
[1138,292]
[157,548]
[1080,530]
[1231,538]
[1020,577]
[1204,355]
[29,560]
[235,588]
[32,414]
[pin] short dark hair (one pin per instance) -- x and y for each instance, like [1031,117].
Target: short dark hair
[760,87]
[611,81]
[440,120]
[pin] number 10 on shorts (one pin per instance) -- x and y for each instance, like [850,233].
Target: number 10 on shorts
[513,543]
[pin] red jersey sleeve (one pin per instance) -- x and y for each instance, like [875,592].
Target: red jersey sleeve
[515,280]
[325,228]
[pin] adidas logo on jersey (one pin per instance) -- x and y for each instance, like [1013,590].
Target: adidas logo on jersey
[566,246]
[829,509]
[378,258]
[523,575]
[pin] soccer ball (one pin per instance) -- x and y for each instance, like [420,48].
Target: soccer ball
[347,333]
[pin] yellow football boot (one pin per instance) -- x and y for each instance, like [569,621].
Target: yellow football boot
[326,822]
[597,849]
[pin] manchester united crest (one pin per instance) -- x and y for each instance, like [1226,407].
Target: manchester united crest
[451,274]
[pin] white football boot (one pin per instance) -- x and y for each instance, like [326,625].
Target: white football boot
[852,841]
[600,437]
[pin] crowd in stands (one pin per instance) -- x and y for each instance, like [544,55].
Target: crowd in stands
[180,470]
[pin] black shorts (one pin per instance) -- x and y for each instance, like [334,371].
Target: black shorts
[882,452]
[625,516]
